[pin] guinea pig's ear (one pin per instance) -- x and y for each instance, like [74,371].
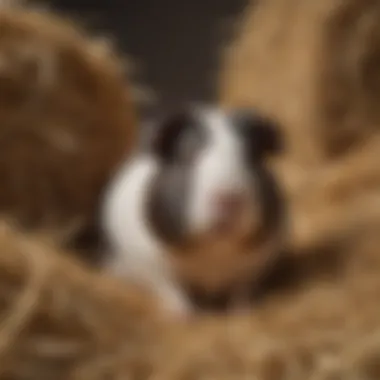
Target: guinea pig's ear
[161,137]
[262,133]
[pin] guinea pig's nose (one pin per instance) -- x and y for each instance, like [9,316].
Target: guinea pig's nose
[229,203]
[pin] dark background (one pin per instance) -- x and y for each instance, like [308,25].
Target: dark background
[176,43]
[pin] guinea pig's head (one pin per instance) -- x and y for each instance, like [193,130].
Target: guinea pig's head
[212,186]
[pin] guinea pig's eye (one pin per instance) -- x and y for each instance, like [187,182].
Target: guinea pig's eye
[172,138]
[261,134]
[188,147]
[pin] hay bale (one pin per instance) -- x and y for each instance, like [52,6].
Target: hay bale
[61,321]
[314,66]
[56,314]
[66,119]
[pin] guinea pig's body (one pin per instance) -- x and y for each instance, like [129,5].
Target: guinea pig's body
[195,208]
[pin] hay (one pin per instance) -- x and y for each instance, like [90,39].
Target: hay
[61,321]
[55,313]
[66,118]
[314,66]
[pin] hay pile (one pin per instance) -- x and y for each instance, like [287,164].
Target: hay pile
[56,314]
[61,321]
[66,119]
[320,316]
[313,66]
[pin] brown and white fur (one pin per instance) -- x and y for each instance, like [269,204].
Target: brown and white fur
[196,208]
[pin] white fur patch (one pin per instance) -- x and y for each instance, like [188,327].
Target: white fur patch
[220,167]
[136,253]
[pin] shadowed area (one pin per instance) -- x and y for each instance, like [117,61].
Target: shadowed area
[173,42]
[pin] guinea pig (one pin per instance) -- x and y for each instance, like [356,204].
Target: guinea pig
[196,210]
